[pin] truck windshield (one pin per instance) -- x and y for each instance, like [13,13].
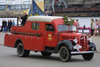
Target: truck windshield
[73,28]
[67,28]
[62,28]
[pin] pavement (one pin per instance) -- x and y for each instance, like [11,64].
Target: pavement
[96,40]
[9,58]
[2,34]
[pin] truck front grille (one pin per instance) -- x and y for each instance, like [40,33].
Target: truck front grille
[83,42]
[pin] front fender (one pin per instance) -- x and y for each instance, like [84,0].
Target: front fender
[92,45]
[64,43]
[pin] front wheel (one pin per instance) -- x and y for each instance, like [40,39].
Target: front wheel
[88,56]
[65,54]
[21,52]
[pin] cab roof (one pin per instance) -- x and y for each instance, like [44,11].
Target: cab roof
[43,18]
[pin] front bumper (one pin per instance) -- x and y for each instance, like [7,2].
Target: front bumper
[82,52]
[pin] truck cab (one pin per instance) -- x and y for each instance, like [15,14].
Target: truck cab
[49,34]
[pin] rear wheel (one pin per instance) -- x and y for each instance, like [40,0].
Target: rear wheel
[21,52]
[88,56]
[46,53]
[65,54]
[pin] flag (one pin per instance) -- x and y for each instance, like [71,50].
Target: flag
[35,10]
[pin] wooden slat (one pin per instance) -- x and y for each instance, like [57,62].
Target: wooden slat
[33,34]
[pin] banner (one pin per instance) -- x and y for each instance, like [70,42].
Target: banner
[35,9]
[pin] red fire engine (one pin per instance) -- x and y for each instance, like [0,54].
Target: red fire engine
[49,34]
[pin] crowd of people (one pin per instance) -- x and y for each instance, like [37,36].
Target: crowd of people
[49,13]
[95,25]
[6,26]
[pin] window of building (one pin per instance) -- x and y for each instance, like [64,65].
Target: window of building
[35,26]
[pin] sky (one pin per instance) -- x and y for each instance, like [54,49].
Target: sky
[15,1]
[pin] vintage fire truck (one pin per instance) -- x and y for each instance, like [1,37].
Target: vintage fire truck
[49,34]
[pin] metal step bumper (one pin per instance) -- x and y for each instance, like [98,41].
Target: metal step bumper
[82,52]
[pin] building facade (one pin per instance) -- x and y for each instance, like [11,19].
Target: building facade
[73,8]
[80,3]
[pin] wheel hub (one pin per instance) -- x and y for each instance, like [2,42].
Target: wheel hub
[20,50]
[64,53]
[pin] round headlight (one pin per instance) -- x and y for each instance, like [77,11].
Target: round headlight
[75,40]
[90,39]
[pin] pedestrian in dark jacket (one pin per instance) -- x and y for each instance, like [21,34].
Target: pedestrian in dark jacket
[4,24]
[24,18]
[9,25]
[46,11]
[51,13]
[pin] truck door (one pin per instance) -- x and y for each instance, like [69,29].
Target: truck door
[50,36]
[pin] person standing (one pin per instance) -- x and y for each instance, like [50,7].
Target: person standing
[92,27]
[13,23]
[46,11]
[96,27]
[24,18]
[78,25]
[4,25]
[99,28]
[9,25]
[51,13]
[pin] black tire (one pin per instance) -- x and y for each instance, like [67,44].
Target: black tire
[88,56]
[65,54]
[46,53]
[21,52]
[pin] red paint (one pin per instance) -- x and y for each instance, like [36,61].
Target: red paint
[38,43]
